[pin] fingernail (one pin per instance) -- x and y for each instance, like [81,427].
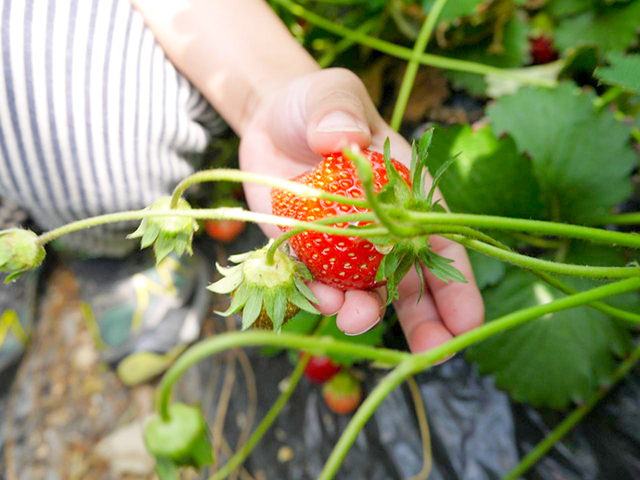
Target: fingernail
[339,122]
[375,324]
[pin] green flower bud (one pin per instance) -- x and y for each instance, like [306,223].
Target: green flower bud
[167,233]
[183,439]
[19,252]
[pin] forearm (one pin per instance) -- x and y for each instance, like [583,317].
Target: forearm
[234,52]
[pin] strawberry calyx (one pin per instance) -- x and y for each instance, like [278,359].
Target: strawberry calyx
[167,234]
[267,293]
[19,252]
[405,246]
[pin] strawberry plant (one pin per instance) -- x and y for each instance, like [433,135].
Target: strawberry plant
[535,192]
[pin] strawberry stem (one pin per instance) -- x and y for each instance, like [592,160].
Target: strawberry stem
[427,359]
[534,263]
[233,175]
[407,54]
[365,175]
[412,67]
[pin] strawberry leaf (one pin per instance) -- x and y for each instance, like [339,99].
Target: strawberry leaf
[489,177]
[556,359]
[578,179]
[624,72]
[610,28]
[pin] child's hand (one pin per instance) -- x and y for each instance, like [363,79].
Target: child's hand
[320,113]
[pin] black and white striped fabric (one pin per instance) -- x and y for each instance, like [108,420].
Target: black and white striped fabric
[93,116]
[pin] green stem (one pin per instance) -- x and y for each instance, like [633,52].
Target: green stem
[240,456]
[539,227]
[568,423]
[520,317]
[327,59]
[425,360]
[407,54]
[412,67]
[538,241]
[365,175]
[350,217]
[226,341]
[234,175]
[632,218]
[221,213]
[533,263]
[364,413]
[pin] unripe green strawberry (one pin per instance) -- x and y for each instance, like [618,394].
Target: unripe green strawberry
[19,252]
[342,393]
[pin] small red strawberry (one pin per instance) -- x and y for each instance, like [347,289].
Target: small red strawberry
[542,50]
[342,394]
[224,231]
[344,262]
[320,369]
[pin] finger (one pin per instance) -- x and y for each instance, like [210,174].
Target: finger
[339,112]
[331,298]
[460,304]
[420,319]
[361,311]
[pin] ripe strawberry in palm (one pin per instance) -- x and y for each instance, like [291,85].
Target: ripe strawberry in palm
[340,261]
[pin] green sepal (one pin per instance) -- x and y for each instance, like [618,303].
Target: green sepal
[149,235]
[304,290]
[421,277]
[300,301]
[302,270]
[419,171]
[396,182]
[438,176]
[238,301]
[162,247]
[440,267]
[226,271]
[252,307]
[394,279]
[183,439]
[390,263]
[227,284]
[167,469]
[240,257]
[275,303]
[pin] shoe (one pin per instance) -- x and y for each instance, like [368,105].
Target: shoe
[142,315]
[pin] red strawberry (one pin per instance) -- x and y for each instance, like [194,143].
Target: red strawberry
[342,394]
[224,231]
[344,262]
[542,50]
[320,369]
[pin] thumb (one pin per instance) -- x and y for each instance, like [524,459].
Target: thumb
[339,112]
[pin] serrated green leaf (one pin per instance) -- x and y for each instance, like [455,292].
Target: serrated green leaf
[252,308]
[487,270]
[611,28]
[489,177]
[371,338]
[516,54]
[554,360]
[624,72]
[580,156]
